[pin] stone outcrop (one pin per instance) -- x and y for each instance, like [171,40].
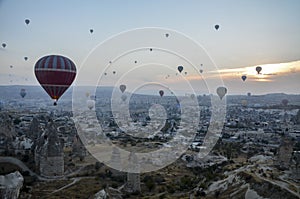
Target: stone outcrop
[10,185]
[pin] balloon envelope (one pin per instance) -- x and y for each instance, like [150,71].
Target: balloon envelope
[27,21]
[55,73]
[244,77]
[4,45]
[90,104]
[258,69]
[221,91]
[161,93]
[25,58]
[285,102]
[23,92]
[122,88]
[201,71]
[217,27]
[180,68]
[91,30]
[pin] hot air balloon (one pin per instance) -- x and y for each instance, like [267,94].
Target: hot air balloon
[150,49]
[114,72]
[90,104]
[244,77]
[161,93]
[124,97]
[135,61]
[105,73]
[249,94]
[244,103]
[201,71]
[185,73]
[167,34]
[180,68]
[217,26]
[23,92]
[55,73]
[11,66]
[285,102]
[4,45]
[258,69]
[27,21]
[91,30]
[122,88]
[221,91]
[25,58]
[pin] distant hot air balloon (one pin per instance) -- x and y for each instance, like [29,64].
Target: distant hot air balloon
[124,97]
[114,72]
[105,73]
[11,66]
[221,91]
[25,58]
[285,102]
[55,73]
[90,104]
[27,21]
[249,94]
[91,30]
[135,61]
[217,26]
[122,88]
[161,93]
[167,34]
[180,68]
[201,71]
[258,69]
[4,45]
[244,102]
[23,92]
[185,73]
[244,77]
[150,49]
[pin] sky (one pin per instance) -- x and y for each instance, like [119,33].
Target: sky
[252,33]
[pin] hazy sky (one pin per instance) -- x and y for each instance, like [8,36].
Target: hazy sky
[251,33]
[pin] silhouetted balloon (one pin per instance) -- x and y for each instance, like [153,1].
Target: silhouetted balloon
[11,66]
[244,77]
[167,34]
[180,68]
[185,73]
[25,58]
[201,71]
[27,21]
[161,93]
[217,27]
[55,73]
[4,45]
[90,104]
[105,73]
[150,49]
[285,102]
[258,69]
[23,92]
[135,62]
[249,94]
[122,88]
[91,30]
[114,72]
[221,91]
